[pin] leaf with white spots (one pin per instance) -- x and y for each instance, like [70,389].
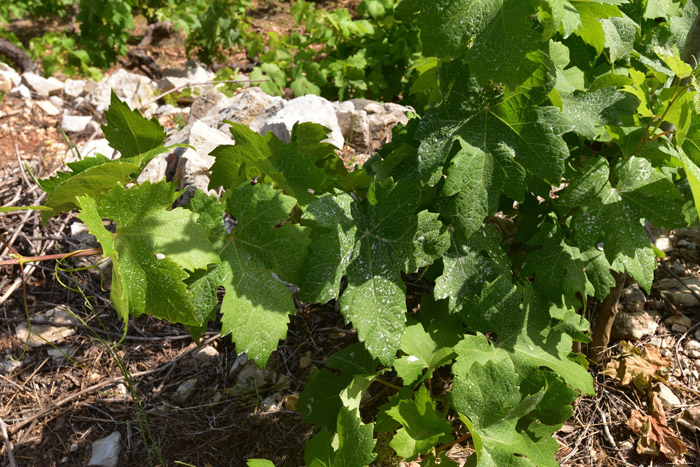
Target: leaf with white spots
[613,214]
[369,242]
[149,263]
[256,257]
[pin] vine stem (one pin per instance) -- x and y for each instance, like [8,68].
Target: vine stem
[59,256]
[447,446]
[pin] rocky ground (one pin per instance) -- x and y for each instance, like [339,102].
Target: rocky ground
[76,396]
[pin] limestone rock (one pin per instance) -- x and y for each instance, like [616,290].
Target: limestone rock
[382,119]
[634,325]
[73,88]
[194,74]
[9,78]
[204,103]
[679,320]
[75,123]
[21,91]
[48,108]
[135,89]
[632,298]
[99,146]
[44,87]
[185,390]
[8,73]
[105,451]
[692,348]
[308,108]
[664,244]
[678,293]
[668,399]
[193,165]
[62,326]
[251,107]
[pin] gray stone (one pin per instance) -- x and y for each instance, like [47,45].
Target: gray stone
[382,119]
[307,108]
[634,325]
[155,170]
[692,348]
[678,320]
[664,244]
[678,269]
[204,103]
[194,72]
[62,354]
[105,451]
[193,165]
[185,390]
[48,108]
[134,89]
[57,101]
[632,298]
[7,73]
[166,109]
[75,123]
[62,326]
[193,170]
[73,87]
[9,78]
[668,399]
[205,355]
[44,87]
[21,91]
[676,291]
[251,107]
[98,146]
[354,124]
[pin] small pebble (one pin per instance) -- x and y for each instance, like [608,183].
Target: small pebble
[679,328]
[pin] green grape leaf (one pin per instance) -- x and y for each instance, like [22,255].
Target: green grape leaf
[612,215]
[598,274]
[564,17]
[591,28]
[557,267]
[469,265]
[92,176]
[431,240]
[353,439]
[489,400]
[620,33]
[254,257]
[507,128]
[527,331]
[301,168]
[591,111]
[425,349]
[128,131]
[662,9]
[369,242]
[447,25]
[148,261]
[513,392]
[569,79]
[319,402]
[422,425]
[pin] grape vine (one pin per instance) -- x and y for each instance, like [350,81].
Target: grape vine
[510,204]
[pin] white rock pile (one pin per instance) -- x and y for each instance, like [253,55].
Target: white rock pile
[360,124]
